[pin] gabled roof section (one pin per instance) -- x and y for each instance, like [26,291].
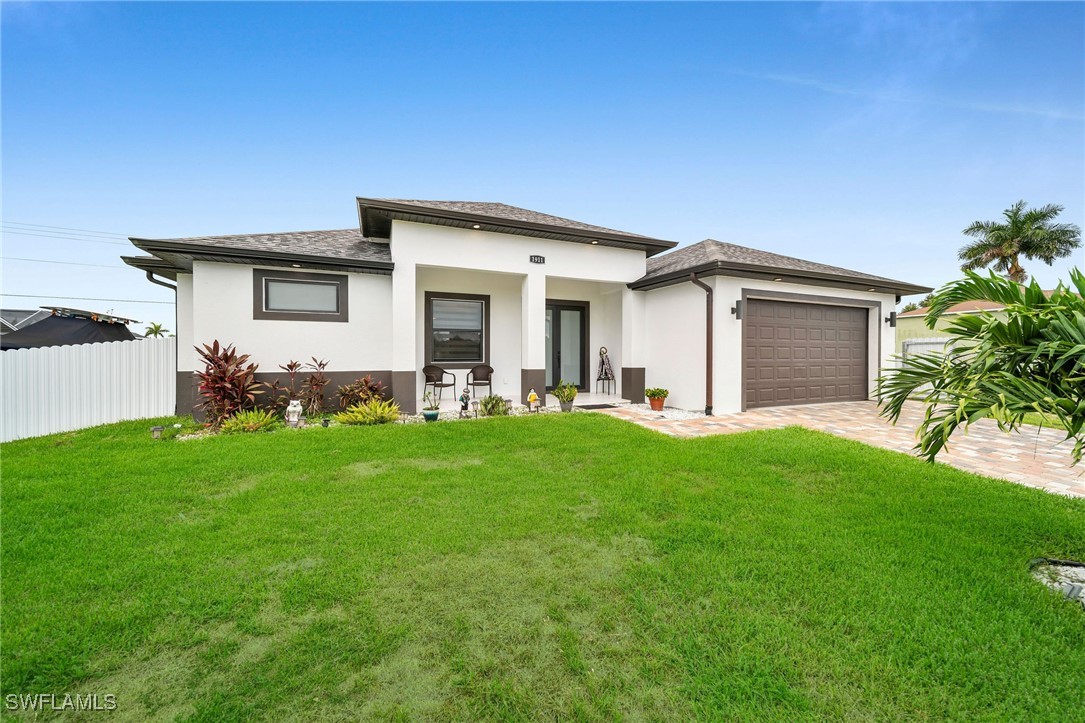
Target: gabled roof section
[376,216]
[711,257]
[343,250]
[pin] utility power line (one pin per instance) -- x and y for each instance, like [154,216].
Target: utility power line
[67,263]
[63,228]
[68,238]
[86,298]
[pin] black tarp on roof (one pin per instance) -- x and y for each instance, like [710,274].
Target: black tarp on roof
[64,330]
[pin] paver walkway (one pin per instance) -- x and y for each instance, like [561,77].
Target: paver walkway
[1036,457]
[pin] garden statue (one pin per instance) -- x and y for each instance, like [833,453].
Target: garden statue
[532,400]
[465,399]
[293,412]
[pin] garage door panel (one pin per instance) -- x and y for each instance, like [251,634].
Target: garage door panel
[795,353]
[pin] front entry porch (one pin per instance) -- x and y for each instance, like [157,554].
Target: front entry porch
[533,330]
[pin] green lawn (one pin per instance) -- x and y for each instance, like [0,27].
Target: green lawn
[556,567]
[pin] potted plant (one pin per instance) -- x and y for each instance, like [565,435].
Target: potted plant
[565,393]
[431,407]
[656,397]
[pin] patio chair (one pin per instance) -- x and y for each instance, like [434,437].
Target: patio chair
[480,376]
[435,377]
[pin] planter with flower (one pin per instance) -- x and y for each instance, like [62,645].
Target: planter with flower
[431,408]
[565,393]
[656,397]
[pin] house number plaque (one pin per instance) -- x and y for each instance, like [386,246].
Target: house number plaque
[537,259]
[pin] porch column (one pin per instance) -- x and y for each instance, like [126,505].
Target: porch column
[404,346]
[533,336]
[633,345]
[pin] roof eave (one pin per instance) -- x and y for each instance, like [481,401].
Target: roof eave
[650,246]
[723,268]
[269,258]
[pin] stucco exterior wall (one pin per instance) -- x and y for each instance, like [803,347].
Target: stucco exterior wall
[186,356]
[674,343]
[222,303]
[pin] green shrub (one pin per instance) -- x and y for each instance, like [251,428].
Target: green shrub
[494,406]
[250,420]
[656,393]
[564,391]
[375,411]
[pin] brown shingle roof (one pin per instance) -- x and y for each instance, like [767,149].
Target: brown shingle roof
[506,212]
[377,215]
[712,254]
[345,245]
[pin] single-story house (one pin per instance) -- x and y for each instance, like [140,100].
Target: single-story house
[535,296]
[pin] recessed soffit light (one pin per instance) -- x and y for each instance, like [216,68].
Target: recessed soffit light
[476,226]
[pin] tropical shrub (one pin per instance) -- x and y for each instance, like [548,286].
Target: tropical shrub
[430,403]
[564,391]
[360,391]
[375,411]
[657,393]
[312,388]
[227,384]
[283,393]
[1032,360]
[493,406]
[250,420]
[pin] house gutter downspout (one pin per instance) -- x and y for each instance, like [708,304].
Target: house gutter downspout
[153,280]
[708,343]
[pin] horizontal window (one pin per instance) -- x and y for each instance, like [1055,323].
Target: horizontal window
[303,296]
[456,329]
[289,296]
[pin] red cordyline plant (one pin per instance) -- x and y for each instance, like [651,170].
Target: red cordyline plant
[228,382]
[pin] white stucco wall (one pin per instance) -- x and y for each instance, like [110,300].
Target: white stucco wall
[674,344]
[186,357]
[675,338]
[222,309]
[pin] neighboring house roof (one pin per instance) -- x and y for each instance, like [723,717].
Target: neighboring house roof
[344,249]
[962,308]
[376,216]
[63,331]
[711,257]
[15,319]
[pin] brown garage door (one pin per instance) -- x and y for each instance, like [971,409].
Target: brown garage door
[803,353]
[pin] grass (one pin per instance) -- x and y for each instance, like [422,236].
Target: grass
[562,567]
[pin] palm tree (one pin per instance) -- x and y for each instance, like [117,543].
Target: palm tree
[1028,232]
[155,329]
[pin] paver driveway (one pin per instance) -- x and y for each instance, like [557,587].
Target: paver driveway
[1036,457]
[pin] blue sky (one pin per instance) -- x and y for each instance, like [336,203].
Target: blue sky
[862,135]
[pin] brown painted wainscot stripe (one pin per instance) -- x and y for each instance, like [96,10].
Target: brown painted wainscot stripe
[633,384]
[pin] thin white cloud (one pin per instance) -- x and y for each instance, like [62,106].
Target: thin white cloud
[897,97]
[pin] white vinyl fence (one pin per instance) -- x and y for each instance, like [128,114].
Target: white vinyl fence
[911,347]
[60,388]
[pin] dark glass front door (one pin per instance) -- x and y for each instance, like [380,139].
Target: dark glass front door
[566,344]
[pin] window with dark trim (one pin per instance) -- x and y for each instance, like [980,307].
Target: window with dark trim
[457,329]
[298,296]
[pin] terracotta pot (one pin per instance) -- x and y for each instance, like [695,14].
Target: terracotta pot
[657,403]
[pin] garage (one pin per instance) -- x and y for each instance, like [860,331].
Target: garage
[803,353]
